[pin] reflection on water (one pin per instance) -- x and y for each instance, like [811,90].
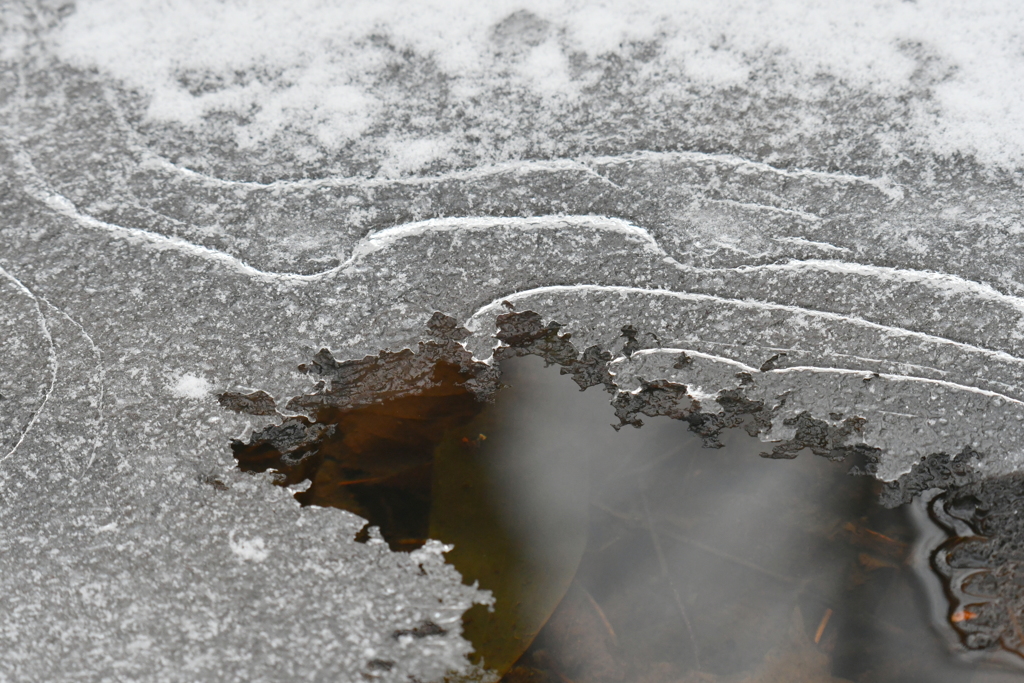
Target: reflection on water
[709,565]
[634,555]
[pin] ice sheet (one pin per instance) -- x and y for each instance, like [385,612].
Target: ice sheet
[187,209]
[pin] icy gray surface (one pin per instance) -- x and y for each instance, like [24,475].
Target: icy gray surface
[145,268]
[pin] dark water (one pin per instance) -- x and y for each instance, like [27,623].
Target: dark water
[637,555]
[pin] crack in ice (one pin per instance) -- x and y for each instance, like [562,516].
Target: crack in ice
[943,282]
[884,185]
[36,188]
[374,241]
[583,163]
[100,375]
[641,353]
[795,213]
[154,161]
[801,242]
[52,361]
[673,351]
[900,378]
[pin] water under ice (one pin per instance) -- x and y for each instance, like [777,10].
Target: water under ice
[637,554]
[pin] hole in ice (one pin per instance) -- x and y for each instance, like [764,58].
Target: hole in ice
[375,460]
[632,555]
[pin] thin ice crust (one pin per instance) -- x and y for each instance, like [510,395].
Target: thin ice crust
[152,262]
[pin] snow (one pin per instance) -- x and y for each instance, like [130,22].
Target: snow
[250,549]
[191,386]
[311,66]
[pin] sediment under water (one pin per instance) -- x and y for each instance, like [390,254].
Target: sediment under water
[638,555]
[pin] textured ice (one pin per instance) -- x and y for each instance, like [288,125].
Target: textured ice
[187,209]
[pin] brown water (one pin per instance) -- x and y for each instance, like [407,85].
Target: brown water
[637,555]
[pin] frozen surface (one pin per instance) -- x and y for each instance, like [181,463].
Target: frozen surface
[196,200]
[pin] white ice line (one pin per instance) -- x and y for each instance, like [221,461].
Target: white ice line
[878,361]
[884,185]
[777,349]
[899,378]
[374,241]
[368,245]
[800,241]
[902,364]
[689,352]
[941,281]
[386,237]
[889,412]
[151,160]
[820,370]
[389,236]
[582,163]
[38,190]
[772,349]
[810,368]
[802,215]
[381,239]
[53,362]
[101,375]
[473,323]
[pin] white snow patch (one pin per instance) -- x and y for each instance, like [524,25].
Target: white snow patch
[253,549]
[408,156]
[190,386]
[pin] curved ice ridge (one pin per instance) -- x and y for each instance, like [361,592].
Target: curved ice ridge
[100,374]
[369,244]
[641,243]
[474,322]
[583,163]
[941,282]
[389,236]
[795,369]
[157,162]
[51,361]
